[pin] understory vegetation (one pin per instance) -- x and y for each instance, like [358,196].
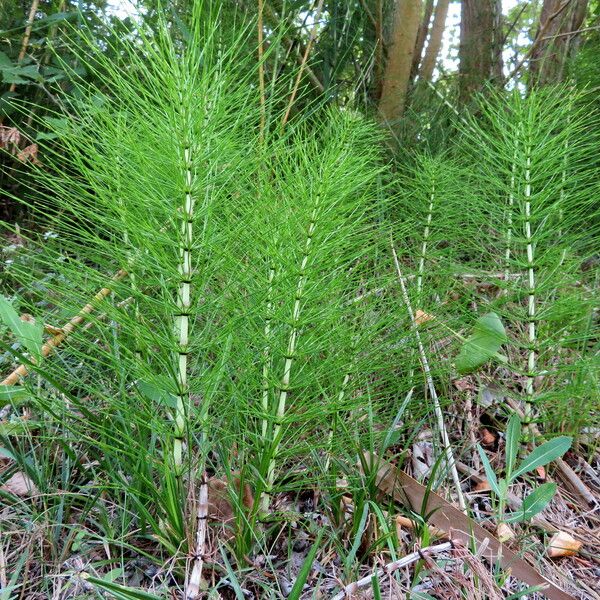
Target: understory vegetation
[230,321]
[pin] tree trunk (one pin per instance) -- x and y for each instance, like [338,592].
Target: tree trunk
[421,37]
[560,21]
[401,50]
[479,40]
[435,40]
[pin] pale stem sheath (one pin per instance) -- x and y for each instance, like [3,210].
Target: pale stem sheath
[425,241]
[531,359]
[436,402]
[182,319]
[192,588]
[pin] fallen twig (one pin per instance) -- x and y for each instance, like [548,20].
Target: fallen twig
[365,582]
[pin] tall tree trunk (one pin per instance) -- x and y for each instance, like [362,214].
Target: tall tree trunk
[435,40]
[558,28]
[396,77]
[479,40]
[421,37]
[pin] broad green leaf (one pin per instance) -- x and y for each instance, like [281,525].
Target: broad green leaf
[544,454]
[12,393]
[29,334]
[5,60]
[485,341]
[489,471]
[11,77]
[513,440]
[534,503]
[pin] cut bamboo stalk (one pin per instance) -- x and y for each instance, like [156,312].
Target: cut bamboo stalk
[66,331]
[434,397]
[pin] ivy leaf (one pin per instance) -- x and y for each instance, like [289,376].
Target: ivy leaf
[485,341]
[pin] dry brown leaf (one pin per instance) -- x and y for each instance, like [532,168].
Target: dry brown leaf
[487,437]
[422,317]
[482,486]
[20,485]
[29,153]
[563,544]
[465,384]
[504,533]
[541,472]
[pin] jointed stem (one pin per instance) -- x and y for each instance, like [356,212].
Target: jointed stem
[531,359]
[425,240]
[290,355]
[182,318]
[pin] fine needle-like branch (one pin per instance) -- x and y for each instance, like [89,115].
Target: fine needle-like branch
[436,402]
[66,331]
[365,582]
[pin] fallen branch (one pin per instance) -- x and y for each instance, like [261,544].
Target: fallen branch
[65,332]
[365,582]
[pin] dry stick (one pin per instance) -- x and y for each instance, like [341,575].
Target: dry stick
[26,36]
[436,403]
[291,44]
[313,35]
[23,370]
[425,240]
[365,582]
[539,37]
